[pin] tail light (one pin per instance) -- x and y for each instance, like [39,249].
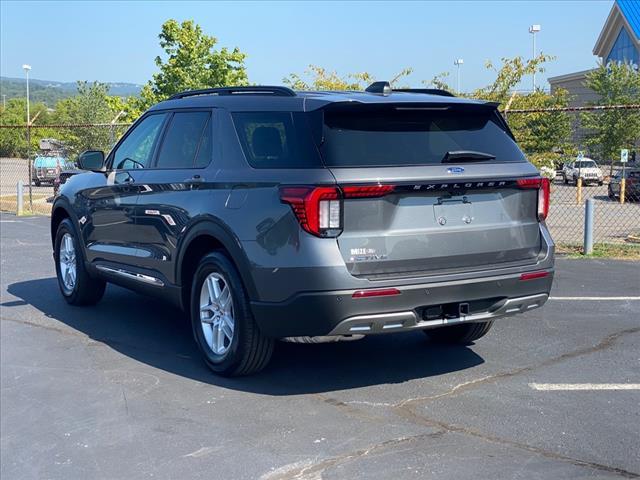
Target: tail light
[543,186]
[319,209]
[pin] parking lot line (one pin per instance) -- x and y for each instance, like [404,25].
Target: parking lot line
[549,387]
[595,299]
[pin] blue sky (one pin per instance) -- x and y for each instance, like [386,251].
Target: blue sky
[117,41]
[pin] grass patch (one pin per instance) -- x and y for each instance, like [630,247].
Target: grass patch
[9,203]
[625,251]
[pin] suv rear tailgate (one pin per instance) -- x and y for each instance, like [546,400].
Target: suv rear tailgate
[432,225]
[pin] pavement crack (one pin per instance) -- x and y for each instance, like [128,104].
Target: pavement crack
[313,470]
[607,342]
[410,414]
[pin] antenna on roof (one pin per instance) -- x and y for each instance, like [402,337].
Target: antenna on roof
[382,88]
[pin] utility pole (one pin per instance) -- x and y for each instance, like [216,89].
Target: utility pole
[533,29]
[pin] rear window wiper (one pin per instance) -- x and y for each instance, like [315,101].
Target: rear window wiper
[466,156]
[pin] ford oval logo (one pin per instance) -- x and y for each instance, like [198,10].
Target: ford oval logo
[455,170]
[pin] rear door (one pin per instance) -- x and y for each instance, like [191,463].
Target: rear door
[176,188]
[409,209]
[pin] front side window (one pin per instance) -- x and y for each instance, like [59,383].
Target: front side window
[187,143]
[136,149]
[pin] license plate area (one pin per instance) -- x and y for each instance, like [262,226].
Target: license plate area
[456,211]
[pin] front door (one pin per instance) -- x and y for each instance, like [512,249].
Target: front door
[109,232]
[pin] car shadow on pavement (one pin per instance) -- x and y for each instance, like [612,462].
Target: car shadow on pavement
[157,334]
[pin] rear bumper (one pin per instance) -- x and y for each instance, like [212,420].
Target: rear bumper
[338,313]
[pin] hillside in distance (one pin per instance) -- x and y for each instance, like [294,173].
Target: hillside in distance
[49,91]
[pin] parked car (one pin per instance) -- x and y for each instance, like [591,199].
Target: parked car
[266,213]
[45,169]
[632,184]
[587,169]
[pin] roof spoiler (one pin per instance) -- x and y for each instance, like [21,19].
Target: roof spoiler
[384,88]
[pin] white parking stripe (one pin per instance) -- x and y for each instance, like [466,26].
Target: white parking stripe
[597,299]
[549,387]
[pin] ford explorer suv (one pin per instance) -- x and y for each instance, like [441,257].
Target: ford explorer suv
[268,214]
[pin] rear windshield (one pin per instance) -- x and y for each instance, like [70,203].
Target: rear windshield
[366,135]
[362,136]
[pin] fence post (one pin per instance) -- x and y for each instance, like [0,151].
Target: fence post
[579,191]
[29,164]
[588,227]
[19,198]
[623,185]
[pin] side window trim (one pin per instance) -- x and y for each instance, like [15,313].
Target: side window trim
[154,148]
[165,128]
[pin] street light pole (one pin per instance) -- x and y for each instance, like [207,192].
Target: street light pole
[533,29]
[26,70]
[458,62]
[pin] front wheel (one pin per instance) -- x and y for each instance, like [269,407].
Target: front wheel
[223,325]
[76,285]
[462,334]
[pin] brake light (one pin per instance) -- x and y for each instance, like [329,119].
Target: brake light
[371,191]
[543,186]
[319,209]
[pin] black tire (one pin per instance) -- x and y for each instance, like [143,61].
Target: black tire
[566,180]
[463,334]
[612,195]
[37,183]
[86,290]
[249,351]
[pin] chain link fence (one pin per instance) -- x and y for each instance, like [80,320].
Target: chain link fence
[574,132]
[593,134]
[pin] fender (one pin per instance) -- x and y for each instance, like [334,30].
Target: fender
[214,227]
[63,203]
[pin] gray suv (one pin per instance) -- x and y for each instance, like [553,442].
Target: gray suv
[266,213]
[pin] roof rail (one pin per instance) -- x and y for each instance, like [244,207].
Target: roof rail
[252,90]
[428,91]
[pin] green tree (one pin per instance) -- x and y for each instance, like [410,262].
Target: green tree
[543,135]
[191,62]
[320,78]
[90,106]
[13,141]
[609,131]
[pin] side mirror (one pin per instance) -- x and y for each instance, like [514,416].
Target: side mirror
[91,160]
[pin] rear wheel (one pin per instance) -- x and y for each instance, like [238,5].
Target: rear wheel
[462,334]
[76,285]
[223,325]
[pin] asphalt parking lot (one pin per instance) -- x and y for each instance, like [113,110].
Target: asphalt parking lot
[118,390]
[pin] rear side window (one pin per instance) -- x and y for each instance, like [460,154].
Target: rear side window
[187,143]
[361,136]
[276,139]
